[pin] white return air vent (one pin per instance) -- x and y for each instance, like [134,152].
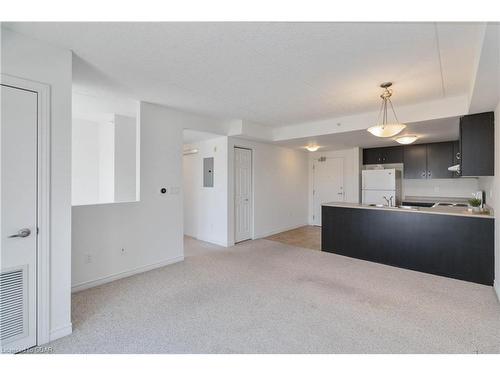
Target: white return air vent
[13,304]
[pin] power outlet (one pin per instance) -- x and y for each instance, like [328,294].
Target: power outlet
[88,258]
[122,251]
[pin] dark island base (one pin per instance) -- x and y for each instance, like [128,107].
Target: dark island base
[453,246]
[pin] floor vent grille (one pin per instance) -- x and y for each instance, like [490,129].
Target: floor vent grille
[12,304]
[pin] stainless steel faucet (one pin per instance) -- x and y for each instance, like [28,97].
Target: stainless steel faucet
[388,201]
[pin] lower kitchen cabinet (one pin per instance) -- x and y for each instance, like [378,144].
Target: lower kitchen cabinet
[459,247]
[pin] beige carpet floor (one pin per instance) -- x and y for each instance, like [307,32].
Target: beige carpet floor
[266,297]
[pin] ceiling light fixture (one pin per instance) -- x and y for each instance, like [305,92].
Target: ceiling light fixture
[190,151]
[386,129]
[406,139]
[312,148]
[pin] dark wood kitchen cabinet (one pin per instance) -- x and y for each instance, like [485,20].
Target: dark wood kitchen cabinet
[415,161]
[383,155]
[439,158]
[477,144]
[461,247]
[429,160]
[456,157]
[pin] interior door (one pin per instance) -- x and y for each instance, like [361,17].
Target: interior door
[328,184]
[18,219]
[243,194]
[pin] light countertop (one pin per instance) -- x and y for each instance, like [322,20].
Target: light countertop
[453,211]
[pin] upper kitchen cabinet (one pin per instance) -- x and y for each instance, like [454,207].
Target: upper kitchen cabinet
[477,137]
[415,161]
[439,157]
[383,155]
[430,160]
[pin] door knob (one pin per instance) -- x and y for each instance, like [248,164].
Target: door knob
[25,232]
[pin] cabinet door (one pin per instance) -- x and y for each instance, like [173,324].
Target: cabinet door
[392,155]
[371,156]
[477,144]
[383,155]
[415,161]
[439,158]
[456,157]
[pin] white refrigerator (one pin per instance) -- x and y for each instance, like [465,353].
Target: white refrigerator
[379,183]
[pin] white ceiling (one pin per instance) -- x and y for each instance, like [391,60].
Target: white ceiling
[269,73]
[446,129]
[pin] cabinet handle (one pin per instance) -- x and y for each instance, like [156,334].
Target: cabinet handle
[423,174]
[458,155]
[429,174]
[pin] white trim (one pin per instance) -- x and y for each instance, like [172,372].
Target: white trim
[121,275]
[43,187]
[496,287]
[57,333]
[209,240]
[292,227]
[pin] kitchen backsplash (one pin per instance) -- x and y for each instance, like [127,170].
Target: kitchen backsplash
[451,187]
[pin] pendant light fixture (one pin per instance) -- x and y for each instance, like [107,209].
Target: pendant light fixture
[406,139]
[384,128]
[312,148]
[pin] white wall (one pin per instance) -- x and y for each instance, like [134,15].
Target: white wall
[352,174]
[280,188]
[125,159]
[93,162]
[205,208]
[106,162]
[446,187]
[151,230]
[34,60]
[85,162]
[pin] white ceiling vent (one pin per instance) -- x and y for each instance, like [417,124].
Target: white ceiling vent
[13,299]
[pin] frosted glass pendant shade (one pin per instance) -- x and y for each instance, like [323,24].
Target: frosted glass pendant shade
[386,130]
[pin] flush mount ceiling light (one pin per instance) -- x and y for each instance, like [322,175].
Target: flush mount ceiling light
[385,129]
[406,139]
[312,148]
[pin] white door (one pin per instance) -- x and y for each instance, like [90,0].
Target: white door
[328,184]
[18,219]
[243,212]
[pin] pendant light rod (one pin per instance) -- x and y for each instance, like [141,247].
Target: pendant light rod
[383,128]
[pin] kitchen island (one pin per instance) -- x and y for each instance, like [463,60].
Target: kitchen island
[448,241]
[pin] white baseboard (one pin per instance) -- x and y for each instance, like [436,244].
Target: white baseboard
[215,242]
[60,332]
[120,275]
[267,234]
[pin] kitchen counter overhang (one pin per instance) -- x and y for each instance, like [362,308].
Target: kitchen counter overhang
[453,211]
[457,245]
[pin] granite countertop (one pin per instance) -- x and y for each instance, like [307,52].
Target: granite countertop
[453,211]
